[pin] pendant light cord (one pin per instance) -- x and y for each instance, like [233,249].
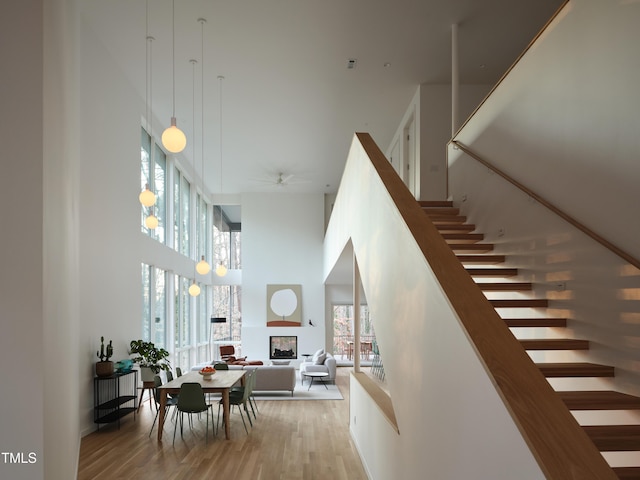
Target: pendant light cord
[173,53]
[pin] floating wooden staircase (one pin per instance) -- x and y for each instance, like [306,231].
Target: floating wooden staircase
[485,266]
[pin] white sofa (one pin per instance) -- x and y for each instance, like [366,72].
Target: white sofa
[321,361]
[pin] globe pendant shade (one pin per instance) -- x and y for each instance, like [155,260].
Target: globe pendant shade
[221,270]
[147,197]
[173,138]
[151,222]
[202,267]
[194,290]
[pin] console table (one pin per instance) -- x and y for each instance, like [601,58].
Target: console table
[114,397]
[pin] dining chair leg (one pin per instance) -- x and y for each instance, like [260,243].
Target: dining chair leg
[175,428]
[246,409]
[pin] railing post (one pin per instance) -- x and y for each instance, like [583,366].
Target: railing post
[356,315]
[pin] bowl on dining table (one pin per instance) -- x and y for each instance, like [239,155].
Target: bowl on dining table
[207,373]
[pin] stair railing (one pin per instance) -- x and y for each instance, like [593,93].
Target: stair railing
[558,443]
[565,216]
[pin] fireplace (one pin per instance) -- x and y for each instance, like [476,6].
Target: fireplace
[283,347]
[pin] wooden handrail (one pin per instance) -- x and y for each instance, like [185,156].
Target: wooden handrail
[558,443]
[565,216]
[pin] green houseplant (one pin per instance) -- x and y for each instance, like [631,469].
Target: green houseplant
[150,358]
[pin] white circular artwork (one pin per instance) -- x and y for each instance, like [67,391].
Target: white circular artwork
[284,302]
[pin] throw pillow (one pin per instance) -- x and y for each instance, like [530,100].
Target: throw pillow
[321,358]
[314,359]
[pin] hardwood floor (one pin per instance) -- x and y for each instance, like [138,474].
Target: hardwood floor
[289,440]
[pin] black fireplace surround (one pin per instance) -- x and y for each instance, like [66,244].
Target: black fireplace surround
[283,347]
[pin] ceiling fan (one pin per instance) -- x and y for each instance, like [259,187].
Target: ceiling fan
[282,180]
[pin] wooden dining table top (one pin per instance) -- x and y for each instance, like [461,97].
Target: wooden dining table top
[221,380]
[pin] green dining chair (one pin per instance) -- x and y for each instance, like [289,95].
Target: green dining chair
[250,383]
[239,398]
[191,400]
[171,402]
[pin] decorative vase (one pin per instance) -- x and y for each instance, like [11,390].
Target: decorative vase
[104,369]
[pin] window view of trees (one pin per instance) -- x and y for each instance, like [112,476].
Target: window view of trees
[153,173]
[171,318]
[343,331]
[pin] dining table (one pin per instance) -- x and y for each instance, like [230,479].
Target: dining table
[220,382]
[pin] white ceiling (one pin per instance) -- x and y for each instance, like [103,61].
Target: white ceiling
[290,105]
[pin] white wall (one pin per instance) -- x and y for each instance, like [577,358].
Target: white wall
[451,420]
[22,293]
[282,237]
[565,120]
[556,126]
[430,109]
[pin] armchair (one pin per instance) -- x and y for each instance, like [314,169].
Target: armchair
[227,354]
[321,361]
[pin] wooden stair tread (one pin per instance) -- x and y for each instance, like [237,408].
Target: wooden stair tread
[492,272]
[555,344]
[435,203]
[487,259]
[471,247]
[536,322]
[441,210]
[520,303]
[463,237]
[447,219]
[614,438]
[599,400]
[455,227]
[627,473]
[505,286]
[571,369]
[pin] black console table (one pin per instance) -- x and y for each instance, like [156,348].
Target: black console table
[114,397]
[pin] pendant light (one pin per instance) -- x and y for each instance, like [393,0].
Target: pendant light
[151,222]
[194,289]
[202,266]
[147,197]
[174,139]
[221,270]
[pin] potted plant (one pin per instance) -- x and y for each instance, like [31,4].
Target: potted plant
[150,358]
[104,368]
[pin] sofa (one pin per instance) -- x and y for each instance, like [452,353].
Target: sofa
[269,378]
[321,361]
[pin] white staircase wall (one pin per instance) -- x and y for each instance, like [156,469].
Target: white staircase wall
[452,422]
[564,123]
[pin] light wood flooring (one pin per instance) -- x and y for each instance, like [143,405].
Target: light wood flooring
[289,440]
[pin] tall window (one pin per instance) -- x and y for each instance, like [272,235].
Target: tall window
[185,220]
[181,212]
[202,324]
[203,229]
[226,240]
[153,165]
[160,189]
[343,331]
[227,303]
[154,309]
[145,174]
[160,308]
[182,319]
[146,302]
